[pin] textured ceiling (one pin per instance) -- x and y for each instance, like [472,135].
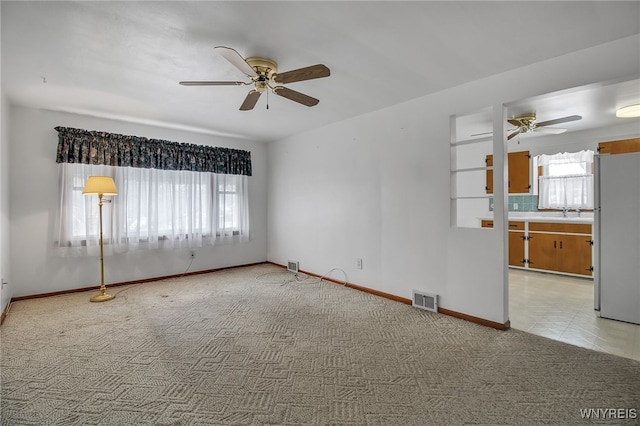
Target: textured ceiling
[124,59]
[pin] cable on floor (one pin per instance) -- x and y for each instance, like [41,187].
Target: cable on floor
[346,279]
[282,277]
[287,277]
[188,266]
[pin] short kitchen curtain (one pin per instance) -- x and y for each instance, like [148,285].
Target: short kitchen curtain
[567,181]
[112,149]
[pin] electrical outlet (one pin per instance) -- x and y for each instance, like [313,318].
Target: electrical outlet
[359,263]
[515,206]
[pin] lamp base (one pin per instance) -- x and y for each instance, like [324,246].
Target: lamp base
[102,297]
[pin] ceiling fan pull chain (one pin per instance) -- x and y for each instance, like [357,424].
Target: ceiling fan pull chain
[267,99]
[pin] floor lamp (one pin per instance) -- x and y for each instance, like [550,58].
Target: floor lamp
[101,186]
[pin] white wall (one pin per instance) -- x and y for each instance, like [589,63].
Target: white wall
[5,290]
[5,271]
[36,268]
[376,187]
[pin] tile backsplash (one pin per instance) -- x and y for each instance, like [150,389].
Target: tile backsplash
[520,203]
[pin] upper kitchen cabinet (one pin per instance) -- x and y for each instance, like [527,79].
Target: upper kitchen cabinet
[619,147]
[519,173]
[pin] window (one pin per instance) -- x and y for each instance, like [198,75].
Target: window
[153,209]
[566,180]
[228,204]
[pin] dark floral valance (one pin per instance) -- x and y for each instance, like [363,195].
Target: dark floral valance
[111,149]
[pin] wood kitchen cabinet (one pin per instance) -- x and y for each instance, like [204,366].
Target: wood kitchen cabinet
[516,241]
[519,172]
[543,251]
[625,146]
[560,247]
[516,244]
[489,181]
[550,246]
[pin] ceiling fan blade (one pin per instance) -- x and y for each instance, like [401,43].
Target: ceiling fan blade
[307,73]
[213,83]
[250,101]
[559,120]
[295,96]
[236,60]
[514,122]
[512,135]
[550,130]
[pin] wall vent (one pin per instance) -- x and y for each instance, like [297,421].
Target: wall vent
[426,301]
[293,266]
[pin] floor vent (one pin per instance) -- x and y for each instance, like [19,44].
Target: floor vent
[293,266]
[426,301]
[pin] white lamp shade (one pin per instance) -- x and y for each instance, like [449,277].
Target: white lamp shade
[100,185]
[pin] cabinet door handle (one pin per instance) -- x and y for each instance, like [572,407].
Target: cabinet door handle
[560,244]
[554,244]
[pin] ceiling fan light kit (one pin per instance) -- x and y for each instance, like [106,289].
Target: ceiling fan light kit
[631,111]
[263,73]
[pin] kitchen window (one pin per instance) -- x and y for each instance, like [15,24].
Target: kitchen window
[566,180]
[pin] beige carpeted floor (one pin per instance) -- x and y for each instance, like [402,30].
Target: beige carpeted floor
[252,346]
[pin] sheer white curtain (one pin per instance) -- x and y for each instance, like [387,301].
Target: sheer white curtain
[566,181]
[153,209]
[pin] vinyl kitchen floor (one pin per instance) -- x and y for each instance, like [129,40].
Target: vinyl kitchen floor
[561,308]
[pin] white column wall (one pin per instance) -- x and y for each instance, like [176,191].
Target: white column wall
[5,271]
[5,290]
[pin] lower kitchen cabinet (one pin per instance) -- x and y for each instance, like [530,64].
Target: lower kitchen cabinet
[555,247]
[560,252]
[516,243]
[543,252]
[516,248]
[576,254]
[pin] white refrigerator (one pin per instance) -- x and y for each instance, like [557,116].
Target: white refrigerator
[617,237]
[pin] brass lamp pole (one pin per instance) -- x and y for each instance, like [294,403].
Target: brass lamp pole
[100,186]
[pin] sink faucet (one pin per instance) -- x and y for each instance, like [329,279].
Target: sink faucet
[564,211]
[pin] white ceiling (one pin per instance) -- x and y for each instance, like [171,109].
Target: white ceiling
[124,59]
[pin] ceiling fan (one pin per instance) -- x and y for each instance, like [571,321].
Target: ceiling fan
[264,76]
[525,123]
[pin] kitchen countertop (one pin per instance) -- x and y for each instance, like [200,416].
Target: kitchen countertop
[572,217]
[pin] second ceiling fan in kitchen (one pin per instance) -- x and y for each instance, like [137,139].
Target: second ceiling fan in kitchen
[525,123]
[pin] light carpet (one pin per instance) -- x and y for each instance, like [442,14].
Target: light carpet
[252,346]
